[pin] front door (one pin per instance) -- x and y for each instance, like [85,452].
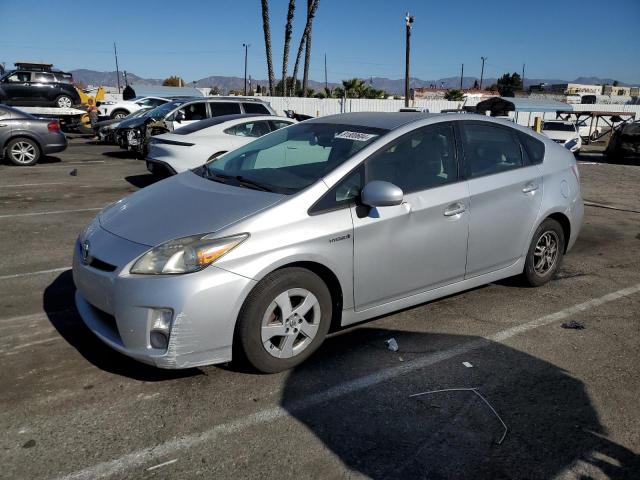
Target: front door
[17,88]
[421,244]
[505,194]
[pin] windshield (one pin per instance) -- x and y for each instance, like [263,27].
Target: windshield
[293,158]
[163,110]
[559,127]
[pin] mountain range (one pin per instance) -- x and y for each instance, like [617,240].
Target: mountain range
[392,86]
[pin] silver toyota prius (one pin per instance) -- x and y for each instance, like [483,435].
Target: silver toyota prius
[331,221]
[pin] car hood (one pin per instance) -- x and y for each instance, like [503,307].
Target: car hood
[182,205]
[132,122]
[560,135]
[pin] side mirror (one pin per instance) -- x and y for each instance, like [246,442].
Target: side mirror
[381,194]
[179,116]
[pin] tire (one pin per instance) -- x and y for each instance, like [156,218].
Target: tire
[23,151]
[260,322]
[64,101]
[549,235]
[118,114]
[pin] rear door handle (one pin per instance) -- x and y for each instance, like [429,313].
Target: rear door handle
[454,209]
[530,187]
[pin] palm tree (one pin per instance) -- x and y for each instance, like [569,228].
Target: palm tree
[311,12]
[354,87]
[267,43]
[287,40]
[311,9]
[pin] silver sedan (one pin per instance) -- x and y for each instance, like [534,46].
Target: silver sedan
[334,220]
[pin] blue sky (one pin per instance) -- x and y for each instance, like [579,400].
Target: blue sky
[555,38]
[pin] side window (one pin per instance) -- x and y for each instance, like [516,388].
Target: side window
[41,77]
[19,77]
[224,108]
[489,149]
[278,124]
[255,108]
[533,147]
[422,159]
[195,111]
[250,129]
[342,194]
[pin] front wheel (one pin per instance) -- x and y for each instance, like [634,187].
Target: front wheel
[284,320]
[545,253]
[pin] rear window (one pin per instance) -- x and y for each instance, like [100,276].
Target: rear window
[256,108]
[559,127]
[224,108]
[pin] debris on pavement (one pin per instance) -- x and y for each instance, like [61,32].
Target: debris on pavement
[392,344]
[74,172]
[474,390]
[573,325]
[467,364]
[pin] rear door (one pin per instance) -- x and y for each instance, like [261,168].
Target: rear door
[43,87]
[5,126]
[505,195]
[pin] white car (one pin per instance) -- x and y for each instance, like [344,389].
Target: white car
[563,132]
[195,144]
[118,110]
[583,129]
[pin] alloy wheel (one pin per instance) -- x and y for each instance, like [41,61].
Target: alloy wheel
[545,254]
[290,323]
[64,102]
[23,152]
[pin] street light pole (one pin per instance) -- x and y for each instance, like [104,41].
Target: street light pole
[408,19]
[461,75]
[246,51]
[115,52]
[482,71]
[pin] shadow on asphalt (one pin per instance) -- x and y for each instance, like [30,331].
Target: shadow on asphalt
[120,154]
[59,305]
[143,180]
[380,432]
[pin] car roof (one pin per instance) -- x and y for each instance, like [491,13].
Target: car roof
[386,120]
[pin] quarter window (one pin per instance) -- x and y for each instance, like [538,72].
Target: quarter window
[489,150]
[420,160]
[255,108]
[224,108]
[342,194]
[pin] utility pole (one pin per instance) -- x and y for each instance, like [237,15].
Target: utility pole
[115,52]
[408,19]
[326,84]
[482,71]
[125,79]
[523,77]
[461,76]
[246,51]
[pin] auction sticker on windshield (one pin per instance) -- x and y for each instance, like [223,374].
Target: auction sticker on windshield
[359,136]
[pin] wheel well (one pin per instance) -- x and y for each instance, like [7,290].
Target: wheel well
[333,284]
[118,110]
[562,219]
[2,149]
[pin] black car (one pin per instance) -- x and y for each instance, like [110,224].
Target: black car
[40,89]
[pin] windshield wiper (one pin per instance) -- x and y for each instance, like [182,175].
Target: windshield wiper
[245,182]
[251,183]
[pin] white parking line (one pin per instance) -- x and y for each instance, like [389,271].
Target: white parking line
[146,455]
[85,162]
[39,272]
[35,184]
[13,215]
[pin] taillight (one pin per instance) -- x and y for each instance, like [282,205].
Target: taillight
[53,126]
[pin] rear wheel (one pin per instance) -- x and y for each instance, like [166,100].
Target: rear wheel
[284,320]
[119,114]
[64,101]
[23,152]
[545,253]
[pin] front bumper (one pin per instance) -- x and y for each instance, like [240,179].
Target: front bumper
[117,306]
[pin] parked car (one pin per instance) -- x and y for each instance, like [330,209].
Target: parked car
[564,133]
[40,89]
[134,134]
[25,138]
[107,128]
[121,109]
[337,219]
[193,145]
[624,142]
[584,128]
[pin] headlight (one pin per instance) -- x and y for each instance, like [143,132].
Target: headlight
[571,143]
[185,255]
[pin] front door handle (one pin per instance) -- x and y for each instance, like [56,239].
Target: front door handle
[454,209]
[530,187]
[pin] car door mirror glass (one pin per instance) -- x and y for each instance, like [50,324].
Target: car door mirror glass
[381,194]
[179,116]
